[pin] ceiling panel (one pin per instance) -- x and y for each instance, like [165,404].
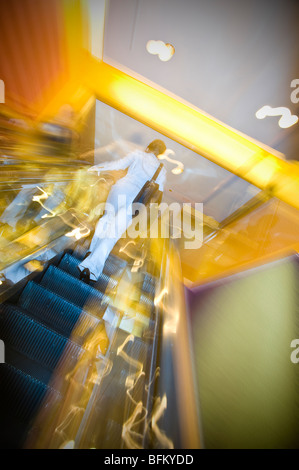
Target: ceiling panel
[231,57]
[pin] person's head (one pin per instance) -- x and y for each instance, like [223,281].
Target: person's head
[157,147]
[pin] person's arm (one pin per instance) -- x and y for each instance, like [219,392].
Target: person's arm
[121,164]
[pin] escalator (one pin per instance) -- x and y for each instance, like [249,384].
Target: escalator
[48,328]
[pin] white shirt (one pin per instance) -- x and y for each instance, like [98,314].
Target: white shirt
[141,168]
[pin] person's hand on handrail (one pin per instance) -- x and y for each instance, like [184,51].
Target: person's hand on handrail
[97,168]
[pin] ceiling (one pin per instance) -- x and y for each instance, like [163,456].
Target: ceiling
[231,57]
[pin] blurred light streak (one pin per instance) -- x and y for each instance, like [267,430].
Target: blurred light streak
[158,298]
[39,199]
[128,434]
[138,260]
[78,233]
[133,362]
[180,166]
[172,316]
[160,407]
[61,431]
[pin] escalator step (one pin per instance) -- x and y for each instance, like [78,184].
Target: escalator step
[81,249]
[72,289]
[69,265]
[119,396]
[129,351]
[112,438]
[147,302]
[113,266]
[56,312]
[149,285]
[34,340]
[103,281]
[21,394]
[27,365]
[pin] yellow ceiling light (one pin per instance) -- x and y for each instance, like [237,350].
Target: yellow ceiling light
[159,48]
[166,53]
[154,47]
